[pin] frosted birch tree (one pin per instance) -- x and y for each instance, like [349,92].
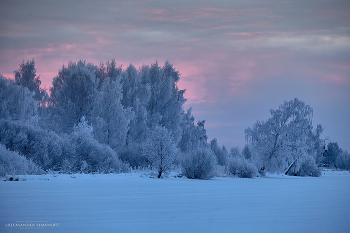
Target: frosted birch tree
[285,140]
[136,95]
[111,121]
[160,149]
[73,94]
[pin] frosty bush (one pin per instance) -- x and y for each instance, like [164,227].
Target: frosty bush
[343,160]
[53,152]
[307,168]
[12,163]
[91,155]
[46,149]
[242,168]
[199,164]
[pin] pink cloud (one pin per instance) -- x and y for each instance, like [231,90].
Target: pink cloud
[335,78]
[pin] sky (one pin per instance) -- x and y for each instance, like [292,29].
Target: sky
[237,59]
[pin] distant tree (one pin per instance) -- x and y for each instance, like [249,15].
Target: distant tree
[108,70]
[221,153]
[331,154]
[343,160]
[160,149]
[246,152]
[235,152]
[73,94]
[286,139]
[26,77]
[193,136]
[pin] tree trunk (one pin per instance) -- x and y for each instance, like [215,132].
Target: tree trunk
[160,172]
[290,167]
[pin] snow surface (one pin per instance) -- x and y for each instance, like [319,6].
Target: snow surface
[136,203]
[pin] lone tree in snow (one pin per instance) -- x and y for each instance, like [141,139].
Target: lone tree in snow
[286,140]
[160,149]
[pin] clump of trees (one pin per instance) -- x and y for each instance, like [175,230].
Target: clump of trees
[98,118]
[335,157]
[108,119]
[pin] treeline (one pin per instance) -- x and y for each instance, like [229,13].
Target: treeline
[106,119]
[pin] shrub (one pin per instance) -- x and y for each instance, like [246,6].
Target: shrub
[46,149]
[133,156]
[199,164]
[67,153]
[12,163]
[91,156]
[242,168]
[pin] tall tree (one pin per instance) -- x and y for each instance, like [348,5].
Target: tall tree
[166,101]
[111,120]
[73,94]
[136,95]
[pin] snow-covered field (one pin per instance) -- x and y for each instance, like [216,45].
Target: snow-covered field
[136,203]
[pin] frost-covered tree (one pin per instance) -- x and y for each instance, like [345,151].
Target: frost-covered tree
[166,101]
[73,94]
[173,115]
[136,95]
[111,119]
[108,70]
[285,140]
[160,149]
[17,103]
[26,76]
